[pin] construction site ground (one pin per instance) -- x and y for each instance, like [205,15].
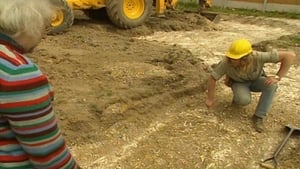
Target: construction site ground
[134,99]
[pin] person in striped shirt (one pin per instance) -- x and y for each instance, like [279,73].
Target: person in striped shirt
[29,133]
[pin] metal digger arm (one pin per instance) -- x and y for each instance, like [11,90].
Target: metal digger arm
[161,6]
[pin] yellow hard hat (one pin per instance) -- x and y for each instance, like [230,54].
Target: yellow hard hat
[239,48]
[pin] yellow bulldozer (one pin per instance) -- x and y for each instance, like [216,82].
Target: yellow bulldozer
[123,13]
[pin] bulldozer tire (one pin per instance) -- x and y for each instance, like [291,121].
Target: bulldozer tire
[63,18]
[128,13]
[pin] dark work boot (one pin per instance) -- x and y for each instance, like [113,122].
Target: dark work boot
[258,123]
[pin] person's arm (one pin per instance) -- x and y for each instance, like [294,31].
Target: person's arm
[218,71]
[27,105]
[286,59]
[211,87]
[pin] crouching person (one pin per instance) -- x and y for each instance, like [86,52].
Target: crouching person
[244,73]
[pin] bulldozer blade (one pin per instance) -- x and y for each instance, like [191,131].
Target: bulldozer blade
[212,16]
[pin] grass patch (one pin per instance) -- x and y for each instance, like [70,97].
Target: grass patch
[253,12]
[189,6]
[193,6]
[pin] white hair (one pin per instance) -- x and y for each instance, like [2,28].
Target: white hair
[25,16]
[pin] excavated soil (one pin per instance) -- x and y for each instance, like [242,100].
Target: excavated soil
[135,98]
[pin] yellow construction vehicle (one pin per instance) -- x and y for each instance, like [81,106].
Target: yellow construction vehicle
[123,13]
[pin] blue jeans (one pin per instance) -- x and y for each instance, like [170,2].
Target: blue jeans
[242,94]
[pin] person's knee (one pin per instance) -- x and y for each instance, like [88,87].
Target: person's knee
[242,100]
[273,87]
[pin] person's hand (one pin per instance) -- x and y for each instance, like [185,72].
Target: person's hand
[271,80]
[209,103]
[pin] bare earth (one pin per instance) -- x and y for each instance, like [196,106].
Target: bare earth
[134,99]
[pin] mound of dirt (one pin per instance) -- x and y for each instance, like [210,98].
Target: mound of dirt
[284,42]
[110,77]
[174,20]
[125,102]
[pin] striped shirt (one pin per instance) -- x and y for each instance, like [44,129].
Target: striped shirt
[29,135]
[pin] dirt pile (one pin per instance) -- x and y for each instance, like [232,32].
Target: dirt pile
[124,102]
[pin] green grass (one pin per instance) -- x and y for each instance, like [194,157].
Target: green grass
[190,6]
[193,6]
[253,12]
